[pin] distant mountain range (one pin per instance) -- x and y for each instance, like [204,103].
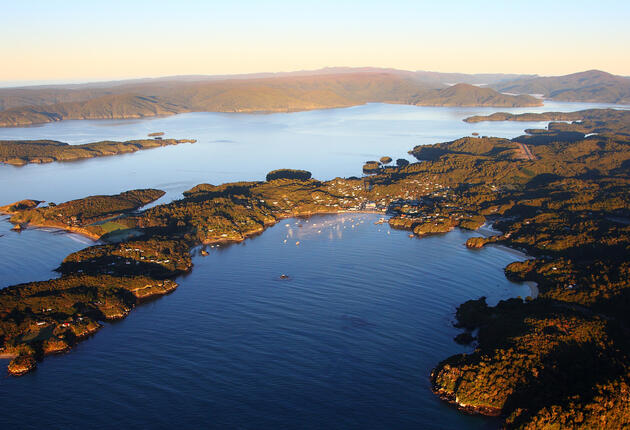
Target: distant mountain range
[297,91]
[471,95]
[590,86]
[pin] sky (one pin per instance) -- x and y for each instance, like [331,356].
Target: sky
[74,41]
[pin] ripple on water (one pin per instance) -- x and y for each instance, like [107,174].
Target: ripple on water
[350,339]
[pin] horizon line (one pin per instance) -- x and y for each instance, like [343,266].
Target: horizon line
[253,75]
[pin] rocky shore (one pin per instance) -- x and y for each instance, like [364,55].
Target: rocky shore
[449,396]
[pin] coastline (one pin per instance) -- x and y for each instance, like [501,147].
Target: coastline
[533,286]
[89,151]
[235,239]
[487,230]
[77,230]
[95,237]
[54,117]
[7,355]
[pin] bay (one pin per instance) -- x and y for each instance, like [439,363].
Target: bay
[347,342]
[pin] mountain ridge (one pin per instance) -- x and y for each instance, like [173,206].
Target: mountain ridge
[263,95]
[587,86]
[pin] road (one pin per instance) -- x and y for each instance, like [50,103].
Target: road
[527,153]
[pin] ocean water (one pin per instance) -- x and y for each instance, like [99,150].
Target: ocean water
[347,342]
[236,147]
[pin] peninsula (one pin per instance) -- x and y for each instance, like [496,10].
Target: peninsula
[589,86]
[21,152]
[566,205]
[592,120]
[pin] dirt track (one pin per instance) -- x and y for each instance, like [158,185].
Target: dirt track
[527,153]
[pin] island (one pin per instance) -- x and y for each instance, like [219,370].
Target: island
[21,152]
[558,359]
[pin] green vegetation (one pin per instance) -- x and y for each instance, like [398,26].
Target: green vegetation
[385,160]
[40,318]
[301,175]
[371,167]
[584,122]
[21,206]
[558,360]
[83,215]
[155,257]
[21,152]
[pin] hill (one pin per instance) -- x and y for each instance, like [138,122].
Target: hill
[273,94]
[465,78]
[589,86]
[471,95]
[36,95]
[123,106]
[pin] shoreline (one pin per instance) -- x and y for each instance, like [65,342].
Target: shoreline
[533,287]
[76,230]
[245,235]
[254,111]
[7,355]
[130,147]
[487,230]
[94,237]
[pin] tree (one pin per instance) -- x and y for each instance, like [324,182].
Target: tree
[401,162]
[301,175]
[386,160]
[371,167]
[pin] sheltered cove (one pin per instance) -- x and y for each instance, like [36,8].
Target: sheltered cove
[556,207]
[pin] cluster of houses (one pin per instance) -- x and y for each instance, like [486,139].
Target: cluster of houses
[149,259]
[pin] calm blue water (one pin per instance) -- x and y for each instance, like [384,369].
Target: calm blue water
[235,147]
[348,342]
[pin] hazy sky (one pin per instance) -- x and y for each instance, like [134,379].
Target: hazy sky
[86,40]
